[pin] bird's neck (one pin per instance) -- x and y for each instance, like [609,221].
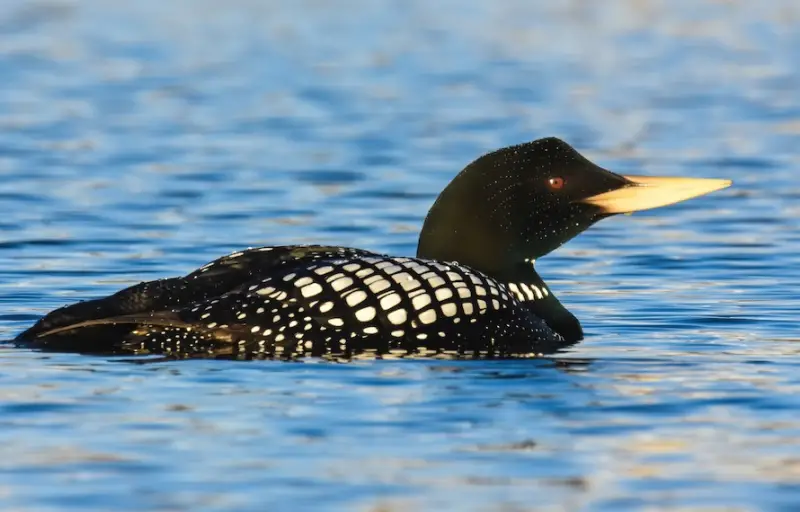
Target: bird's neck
[456,229]
[525,283]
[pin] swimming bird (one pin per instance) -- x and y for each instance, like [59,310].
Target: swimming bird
[471,291]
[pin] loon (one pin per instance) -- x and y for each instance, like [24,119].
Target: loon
[471,291]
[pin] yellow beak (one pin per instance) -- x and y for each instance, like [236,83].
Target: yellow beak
[647,192]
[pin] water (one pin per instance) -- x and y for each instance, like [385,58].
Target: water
[143,139]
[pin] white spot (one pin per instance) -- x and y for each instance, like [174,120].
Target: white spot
[481,305]
[545,291]
[266,290]
[411,284]
[212,325]
[255,329]
[308,344]
[326,306]
[537,291]
[365,314]
[259,311]
[336,322]
[495,304]
[392,269]
[303,281]
[390,301]
[453,276]
[527,290]
[402,276]
[371,279]
[289,277]
[356,297]
[341,283]
[468,309]
[419,269]
[364,272]
[436,282]
[480,290]
[351,267]
[428,317]
[311,290]
[421,336]
[323,270]
[443,293]
[292,323]
[371,330]
[397,334]
[449,309]
[464,293]
[379,286]
[397,317]
[276,319]
[421,301]
[280,337]
[205,315]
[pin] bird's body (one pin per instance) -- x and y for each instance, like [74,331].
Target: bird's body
[312,300]
[471,291]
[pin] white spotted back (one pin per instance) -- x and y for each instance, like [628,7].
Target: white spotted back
[397,296]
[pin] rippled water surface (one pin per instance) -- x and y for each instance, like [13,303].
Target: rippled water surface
[142,139]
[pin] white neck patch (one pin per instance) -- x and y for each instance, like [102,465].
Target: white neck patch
[528,292]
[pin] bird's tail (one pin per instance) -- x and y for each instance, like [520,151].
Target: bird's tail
[162,333]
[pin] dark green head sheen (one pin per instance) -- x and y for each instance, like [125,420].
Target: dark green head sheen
[515,204]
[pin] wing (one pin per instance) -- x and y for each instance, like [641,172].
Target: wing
[99,325]
[345,306]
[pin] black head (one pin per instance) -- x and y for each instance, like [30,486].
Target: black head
[515,204]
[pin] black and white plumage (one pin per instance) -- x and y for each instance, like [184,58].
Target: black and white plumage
[323,301]
[472,290]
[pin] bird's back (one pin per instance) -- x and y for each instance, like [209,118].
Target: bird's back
[304,300]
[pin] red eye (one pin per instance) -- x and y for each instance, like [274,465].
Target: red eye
[556,183]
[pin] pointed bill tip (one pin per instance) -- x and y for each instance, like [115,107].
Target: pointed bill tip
[648,192]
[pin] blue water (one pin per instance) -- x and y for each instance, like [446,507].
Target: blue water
[142,139]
